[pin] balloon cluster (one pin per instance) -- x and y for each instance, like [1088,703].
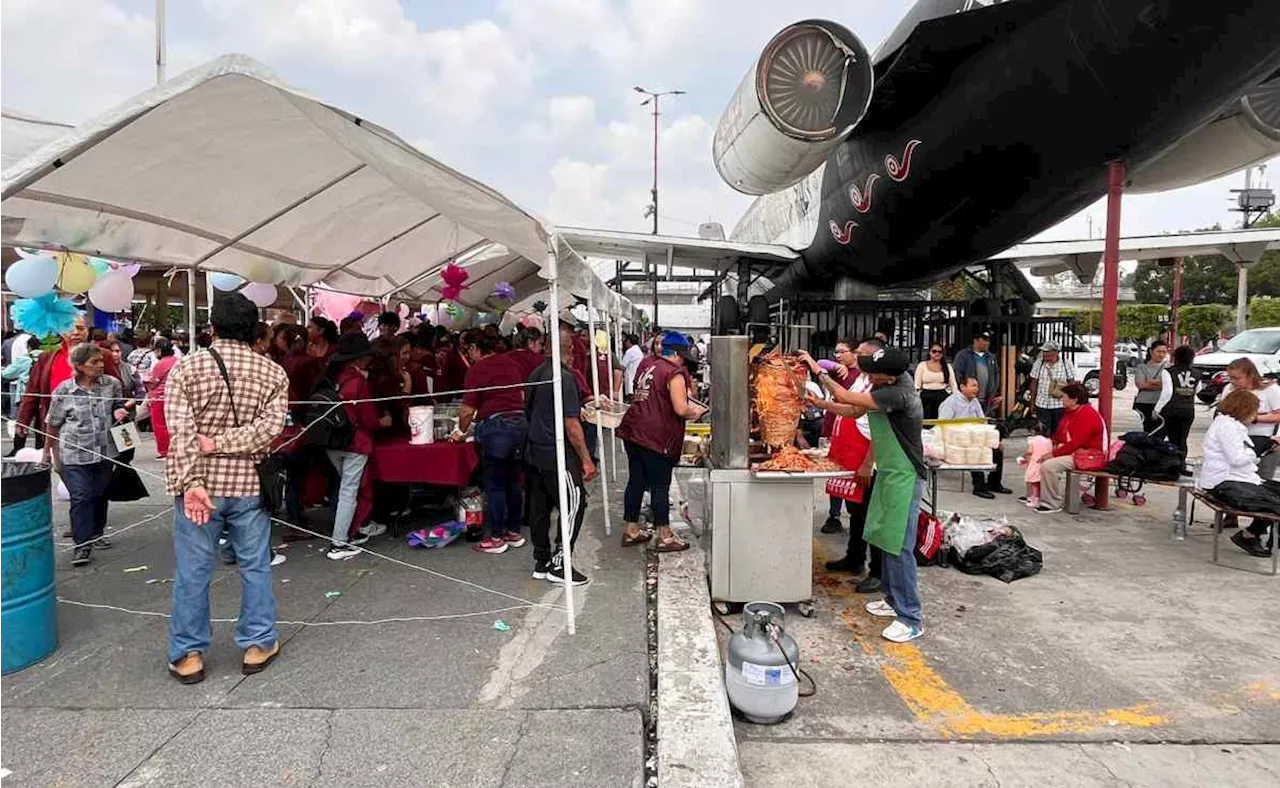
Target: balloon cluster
[34,276]
[455,281]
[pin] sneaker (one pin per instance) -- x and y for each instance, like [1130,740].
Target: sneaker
[899,632]
[103,543]
[513,539]
[82,556]
[844,565]
[868,585]
[832,526]
[555,573]
[1024,499]
[540,569]
[358,540]
[881,609]
[278,558]
[492,545]
[341,552]
[1047,509]
[373,529]
[1250,544]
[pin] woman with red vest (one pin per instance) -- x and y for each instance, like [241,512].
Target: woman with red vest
[653,433]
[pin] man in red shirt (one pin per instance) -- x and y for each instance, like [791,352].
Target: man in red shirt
[1081,427]
[49,370]
[501,428]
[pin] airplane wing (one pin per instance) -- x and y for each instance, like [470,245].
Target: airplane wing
[1045,258]
[672,250]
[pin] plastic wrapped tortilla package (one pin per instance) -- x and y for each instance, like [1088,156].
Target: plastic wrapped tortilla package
[993,437]
[955,455]
[934,447]
[960,436]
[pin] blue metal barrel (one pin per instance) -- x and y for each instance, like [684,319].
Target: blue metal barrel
[28,603]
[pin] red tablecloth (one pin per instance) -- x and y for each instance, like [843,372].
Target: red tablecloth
[396,461]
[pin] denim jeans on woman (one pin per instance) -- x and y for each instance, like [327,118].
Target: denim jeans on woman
[898,572]
[194,547]
[501,440]
[647,470]
[351,467]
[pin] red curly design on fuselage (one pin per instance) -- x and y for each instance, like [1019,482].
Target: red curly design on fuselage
[861,199]
[844,237]
[899,172]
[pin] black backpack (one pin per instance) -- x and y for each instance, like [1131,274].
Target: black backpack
[1144,457]
[325,422]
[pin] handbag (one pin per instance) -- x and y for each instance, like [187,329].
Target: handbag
[269,487]
[126,484]
[929,534]
[1090,459]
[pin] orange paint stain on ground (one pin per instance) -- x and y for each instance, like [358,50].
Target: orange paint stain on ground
[937,704]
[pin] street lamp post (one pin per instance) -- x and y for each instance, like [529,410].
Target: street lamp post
[653,97]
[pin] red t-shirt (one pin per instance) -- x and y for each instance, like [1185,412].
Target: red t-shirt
[651,421]
[496,370]
[527,360]
[1081,428]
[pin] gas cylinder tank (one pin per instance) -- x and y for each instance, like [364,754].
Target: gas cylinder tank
[760,668]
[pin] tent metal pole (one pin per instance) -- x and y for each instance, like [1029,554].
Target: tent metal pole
[595,392]
[191,307]
[616,395]
[557,396]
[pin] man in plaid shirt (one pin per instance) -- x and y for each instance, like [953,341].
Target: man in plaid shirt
[221,425]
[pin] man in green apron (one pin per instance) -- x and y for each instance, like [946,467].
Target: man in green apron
[896,419]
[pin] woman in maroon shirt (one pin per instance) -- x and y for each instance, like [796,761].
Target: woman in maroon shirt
[498,414]
[653,433]
[351,526]
[390,382]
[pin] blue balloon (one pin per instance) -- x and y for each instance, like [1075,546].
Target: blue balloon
[32,277]
[101,267]
[225,282]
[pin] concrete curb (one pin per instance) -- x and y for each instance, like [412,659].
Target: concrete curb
[696,743]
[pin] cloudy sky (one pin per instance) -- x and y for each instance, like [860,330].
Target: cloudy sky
[532,96]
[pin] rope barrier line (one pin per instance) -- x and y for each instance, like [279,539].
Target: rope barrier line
[388,558]
[115,533]
[399,620]
[451,393]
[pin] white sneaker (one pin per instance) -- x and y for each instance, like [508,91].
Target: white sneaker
[899,632]
[278,558]
[374,529]
[1046,509]
[341,552]
[359,540]
[882,609]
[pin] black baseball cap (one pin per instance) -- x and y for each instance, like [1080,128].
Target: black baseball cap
[885,361]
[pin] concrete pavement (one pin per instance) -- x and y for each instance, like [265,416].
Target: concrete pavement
[1129,660]
[356,698]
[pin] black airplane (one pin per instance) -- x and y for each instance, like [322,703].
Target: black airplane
[979,124]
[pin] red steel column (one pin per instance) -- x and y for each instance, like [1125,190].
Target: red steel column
[1177,300]
[1110,295]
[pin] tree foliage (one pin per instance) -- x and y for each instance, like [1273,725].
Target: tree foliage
[1203,322]
[1088,321]
[1264,311]
[1140,322]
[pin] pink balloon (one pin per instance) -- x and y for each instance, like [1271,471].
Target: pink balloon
[334,306]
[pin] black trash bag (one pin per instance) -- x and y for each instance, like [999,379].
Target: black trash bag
[1007,558]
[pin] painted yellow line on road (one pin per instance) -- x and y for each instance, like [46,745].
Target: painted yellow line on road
[935,703]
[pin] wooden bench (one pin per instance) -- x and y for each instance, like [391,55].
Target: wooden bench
[1185,486]
[1220,510]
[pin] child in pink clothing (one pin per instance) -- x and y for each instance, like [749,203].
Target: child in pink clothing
[1039,449]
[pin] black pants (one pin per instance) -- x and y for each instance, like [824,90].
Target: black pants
[543,496]
[1176,428]
[858,547]
[931,400]
[994,479]
[647,470]
[88,487]
[1251,498]
[1049,419]
[1147,411]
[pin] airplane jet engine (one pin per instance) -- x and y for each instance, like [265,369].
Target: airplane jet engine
[804,95]
[1245,134]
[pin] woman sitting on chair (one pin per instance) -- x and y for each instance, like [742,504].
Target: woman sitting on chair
[1230,469]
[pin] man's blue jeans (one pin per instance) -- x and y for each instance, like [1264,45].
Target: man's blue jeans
[898,572]
[195,549]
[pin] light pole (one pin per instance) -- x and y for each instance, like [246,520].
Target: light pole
[652,210]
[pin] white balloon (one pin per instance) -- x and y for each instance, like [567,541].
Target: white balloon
[260,269]
[260,293]
[112,292]
[32,277]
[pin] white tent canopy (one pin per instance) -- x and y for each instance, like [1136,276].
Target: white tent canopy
[224,168]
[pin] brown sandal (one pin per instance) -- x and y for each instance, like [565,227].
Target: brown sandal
[641,537]
[671,544]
